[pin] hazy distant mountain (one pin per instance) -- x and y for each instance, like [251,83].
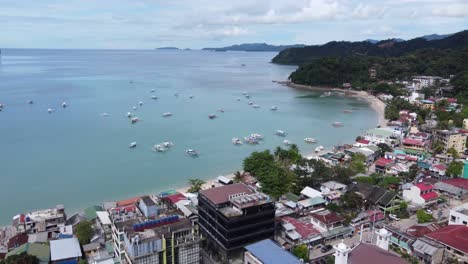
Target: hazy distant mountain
[255,47]
[375,41]
[167,48]
[435,37]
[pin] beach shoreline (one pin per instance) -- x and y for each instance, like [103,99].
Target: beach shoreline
[375,103]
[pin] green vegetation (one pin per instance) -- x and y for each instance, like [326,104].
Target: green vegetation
[301,251]
[454,169]
[22,258]
[424,217]
[84,232]
[195,185]
[453,152]
[358,163]
[237,177]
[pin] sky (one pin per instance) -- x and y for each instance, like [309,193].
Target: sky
[146,24]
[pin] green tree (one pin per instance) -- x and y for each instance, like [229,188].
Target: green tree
[237,177]
[454,169]
[22,258]
[390,180]
[423,217]
[357,164]
[453,152]
[352,201]
[195,185]
[437,148]
[84,232]
[384,148]
[301,251]
[259,163]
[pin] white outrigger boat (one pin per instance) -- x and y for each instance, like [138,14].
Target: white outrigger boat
[255,106]
[256,136]
[64,104]
[134,120]
[326,94]
[153,90]
[132,145]
[30,102]
[167,144]
[274,108]
[337,124]
[280,133]
[134,108]
[317,149]
[236,141]
[167,114]
[154,97]
[1,106]
[104,114]
[251,140]
[251,103]
[310,140]
[50,110]
[140,103]
[212,116]
[191,152]
[159,148]
[191,96]
[129,114]
[287,142]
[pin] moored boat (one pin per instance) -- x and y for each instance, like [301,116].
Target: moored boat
[129,114]
[337,124]
[274,108]
[310,140]
[286,142]
[236,141]
[280,133]
[168,144]
[192,152]
[159,148]
[132,145]
[135,119]
[64,104]
[154,97]
[255,106]
[167,114]
[212,116]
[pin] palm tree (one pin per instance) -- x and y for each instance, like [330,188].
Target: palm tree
[237,176]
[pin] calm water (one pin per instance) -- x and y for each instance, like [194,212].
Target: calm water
[77,157]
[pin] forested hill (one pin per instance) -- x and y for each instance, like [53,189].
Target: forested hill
[255,47]
[385,48]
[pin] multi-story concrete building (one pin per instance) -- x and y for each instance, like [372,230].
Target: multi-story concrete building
[425,81]
[48,220]
[234,216]
[451,139]
[168,239]
[459,215]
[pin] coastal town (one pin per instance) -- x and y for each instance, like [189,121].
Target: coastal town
[398,194]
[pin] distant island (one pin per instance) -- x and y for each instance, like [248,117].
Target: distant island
[255,47]
[171,48]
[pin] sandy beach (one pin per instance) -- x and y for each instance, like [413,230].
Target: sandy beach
[374,102]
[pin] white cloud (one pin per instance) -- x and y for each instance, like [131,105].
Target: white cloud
[452,10]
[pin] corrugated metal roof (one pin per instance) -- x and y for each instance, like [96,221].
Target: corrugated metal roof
[311,193]
[424,247]
[269,252]
[104,217]
[64,249]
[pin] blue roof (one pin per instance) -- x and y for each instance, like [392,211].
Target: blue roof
[269,252]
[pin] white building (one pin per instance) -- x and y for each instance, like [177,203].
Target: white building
[425,81]
[459,215]
[421,194]
[311,193]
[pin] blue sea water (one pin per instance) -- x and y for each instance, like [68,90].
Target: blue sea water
[77,157]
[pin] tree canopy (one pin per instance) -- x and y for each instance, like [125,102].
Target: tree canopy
[195,185]
[22,258]
[301,251]
[84,232]
[454,169]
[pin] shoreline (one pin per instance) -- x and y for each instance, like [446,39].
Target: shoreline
[373,101]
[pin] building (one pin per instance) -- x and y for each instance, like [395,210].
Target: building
[422,81]
[420,230]
[368,253]
[67,249]
[105,224]
[380,135]
[382,199]
[428,251]
[326,220]
[421,194]
[455,240]
[268,252]
[233,216]
[459,215]
[310,192]
[367,218]
[148,207]
[17,241]
[169,239]
[401,239]
[297,231]
[383,164]
[47,220]
[332,190]
[456,188]
[414,144]
[41,251]
[451,139]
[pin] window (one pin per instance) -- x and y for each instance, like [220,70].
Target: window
[464,222]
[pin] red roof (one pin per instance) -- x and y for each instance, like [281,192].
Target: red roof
[429,196]
[173,199]
[424,186]
[440,167]
[367,253]
[363,141]
[17,240]
[221,194]
[455,236]
[128,202]
[458,182]
[411,158]
[382,162]
[412,141]
[327,217]
[451,100]
[422,229]
[305,229]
